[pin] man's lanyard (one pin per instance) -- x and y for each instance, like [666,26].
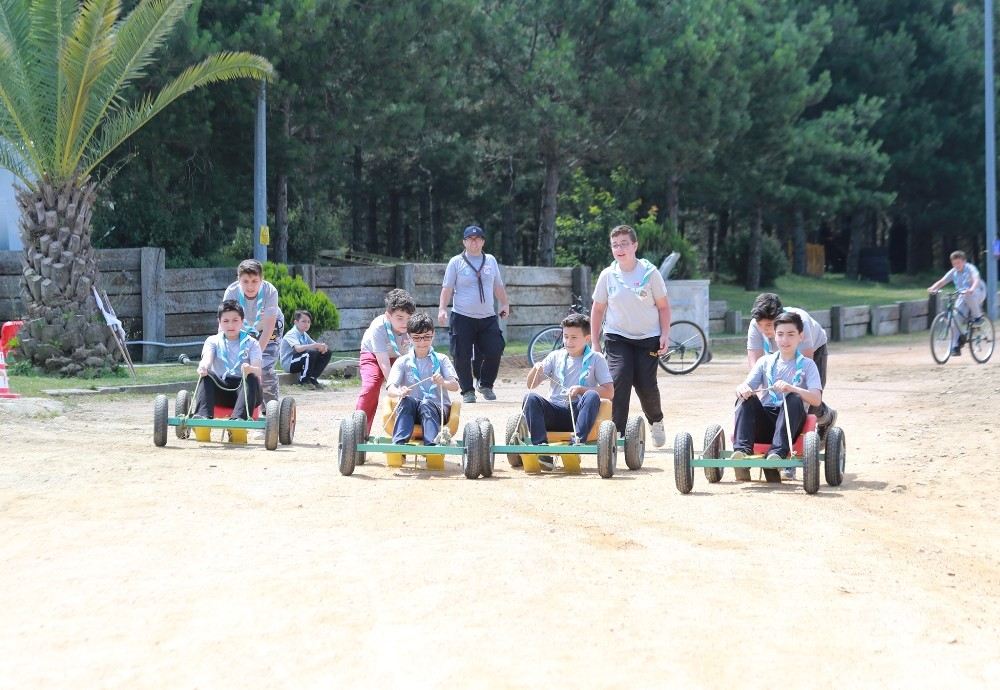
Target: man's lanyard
[776,397]
[640,289]
[391,336]
[260,311]
[588,355]
[479,275]
[435,368]
[223,350]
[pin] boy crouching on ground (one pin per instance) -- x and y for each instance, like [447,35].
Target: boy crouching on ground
[790,380]
[302,355]
[576,373]
[417,378]
[230,367]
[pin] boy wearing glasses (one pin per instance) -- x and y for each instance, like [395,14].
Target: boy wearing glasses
[419,379]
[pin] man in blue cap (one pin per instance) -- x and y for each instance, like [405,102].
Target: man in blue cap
[473,280]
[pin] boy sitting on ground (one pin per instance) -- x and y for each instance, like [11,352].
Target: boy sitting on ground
[576,373]
[785,379]
[230,367]
[419,379]
[301,354]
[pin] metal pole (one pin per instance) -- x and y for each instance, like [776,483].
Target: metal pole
[260,175]
[991,166]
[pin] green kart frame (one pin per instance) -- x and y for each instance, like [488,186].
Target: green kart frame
[278,425]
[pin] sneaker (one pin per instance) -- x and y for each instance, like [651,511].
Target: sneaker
[742,473]
[956,352]
[789,473]
[547,462]
[826,421]
[658,434]
[487,393]
[978,319]
[469,397]
[738,455]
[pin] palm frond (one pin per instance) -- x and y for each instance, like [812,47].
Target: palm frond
[51,23]
[10,159]
[138,37]
[15,77]
[215,68]
[83,58]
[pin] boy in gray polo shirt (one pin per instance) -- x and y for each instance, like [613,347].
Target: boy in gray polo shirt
[262,318]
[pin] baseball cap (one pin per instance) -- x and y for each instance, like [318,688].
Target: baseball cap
[473,231]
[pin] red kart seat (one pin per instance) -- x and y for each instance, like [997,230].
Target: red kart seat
[223,412]
[810,425]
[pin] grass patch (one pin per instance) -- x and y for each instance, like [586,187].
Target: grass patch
[830,290]
[32,384]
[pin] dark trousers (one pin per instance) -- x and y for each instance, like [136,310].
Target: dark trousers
[481,337]
[229,392]
[631,367]
[309,364]
[427,412]
[819,358]
[758,424]
[544,415]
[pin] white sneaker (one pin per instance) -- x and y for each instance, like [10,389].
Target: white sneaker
[658,434]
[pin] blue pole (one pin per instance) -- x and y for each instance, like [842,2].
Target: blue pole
[991,167]
[260,175]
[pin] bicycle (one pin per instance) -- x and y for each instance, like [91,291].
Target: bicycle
[687,349]
[979,335]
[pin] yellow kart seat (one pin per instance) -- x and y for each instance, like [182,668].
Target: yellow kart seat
[603,413]
[389,421]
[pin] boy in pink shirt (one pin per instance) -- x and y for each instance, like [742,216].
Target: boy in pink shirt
[385,341]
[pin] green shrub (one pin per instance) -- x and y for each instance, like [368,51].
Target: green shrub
[657,241]
[294,294]
[734,253]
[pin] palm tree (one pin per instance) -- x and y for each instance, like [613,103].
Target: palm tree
[65,68]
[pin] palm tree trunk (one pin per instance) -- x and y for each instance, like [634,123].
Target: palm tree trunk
[65,333]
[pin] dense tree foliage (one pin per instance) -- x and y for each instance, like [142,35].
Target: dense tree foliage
[393,124]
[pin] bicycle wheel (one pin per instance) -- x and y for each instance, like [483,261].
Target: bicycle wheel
[542,343]
[981,340]
[941,338]
[686,349]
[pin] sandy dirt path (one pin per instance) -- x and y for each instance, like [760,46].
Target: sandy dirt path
[207,566]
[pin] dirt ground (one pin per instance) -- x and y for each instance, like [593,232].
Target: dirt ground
[206,566]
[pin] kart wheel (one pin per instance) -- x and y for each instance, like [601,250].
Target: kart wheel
[346,447]
[607,449]
[182,408]
[472,437]
[683,454]
[635,442]
[810,462]
[835,459]
[160,414]
[286,421]
[360,421]
[271,424]
[486,457]
[515,435]
[715,443]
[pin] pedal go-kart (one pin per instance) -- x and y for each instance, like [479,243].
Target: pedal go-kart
[473,450]
[602,441]
[807,453]
[278,424]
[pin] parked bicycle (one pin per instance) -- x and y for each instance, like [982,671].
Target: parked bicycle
[978,334]
[687,349]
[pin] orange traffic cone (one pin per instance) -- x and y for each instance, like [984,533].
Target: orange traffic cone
[4,385]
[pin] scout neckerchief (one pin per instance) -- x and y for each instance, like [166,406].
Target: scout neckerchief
[588,355]
[435,367]
[392,337]
[260,310]
[640,289]
[222,348]
[776,397]
[479,275]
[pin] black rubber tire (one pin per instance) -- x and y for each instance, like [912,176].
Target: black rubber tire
[683,454]
[273,409]
[346,447]
[487,459]
[810,462]
[686,350]
[982,340]
[635,442]
[514,436]
[472,439]
[607,449]
[160,413]
[542,343]
[182,408]
[286,421]
[835,457]
[360,421]
[940,338]
[715,443]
